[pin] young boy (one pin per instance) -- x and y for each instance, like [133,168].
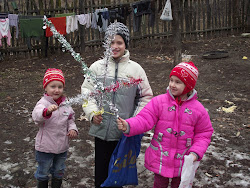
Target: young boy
[129,101]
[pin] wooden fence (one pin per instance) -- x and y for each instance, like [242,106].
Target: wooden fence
[198,19]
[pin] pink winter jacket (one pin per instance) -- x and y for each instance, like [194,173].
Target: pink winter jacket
[178,131]
[52,135]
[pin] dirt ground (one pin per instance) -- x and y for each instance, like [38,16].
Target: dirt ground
[222,83]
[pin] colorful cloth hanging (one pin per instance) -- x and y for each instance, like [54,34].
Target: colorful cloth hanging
[5,30]
[31,27]
[13,18]
[71,24]
[60,25]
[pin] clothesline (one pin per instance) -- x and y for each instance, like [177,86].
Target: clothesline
[31,26]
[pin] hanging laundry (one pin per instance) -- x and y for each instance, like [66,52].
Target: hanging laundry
[13,19]
[89,17]
[102,22]
[31,27]
[94,21]
[105,19]
[85,19]
[71,24]
[113,14]
[139,9]
[5,30]
[136,22]
[123,13]
[142,7]
[60,25]
[120,14]
[99,20]
[167,12]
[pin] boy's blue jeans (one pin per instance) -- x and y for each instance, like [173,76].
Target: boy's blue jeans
[50,163]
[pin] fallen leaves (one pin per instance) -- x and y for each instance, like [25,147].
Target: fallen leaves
[208,175]
[238,134]
[164,58]
[228,109]
[82,118]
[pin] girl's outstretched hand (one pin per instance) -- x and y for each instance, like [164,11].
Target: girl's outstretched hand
[51,109]
[122,124]
[72,134]
[194,157]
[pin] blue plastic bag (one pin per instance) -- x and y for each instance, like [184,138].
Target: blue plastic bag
[122,165]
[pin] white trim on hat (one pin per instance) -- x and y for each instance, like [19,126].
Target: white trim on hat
[190,69]
[53,72]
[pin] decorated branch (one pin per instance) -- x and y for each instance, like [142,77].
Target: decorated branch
[66,46]
[101,92]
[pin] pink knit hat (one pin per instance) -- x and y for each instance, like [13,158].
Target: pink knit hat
[53,74]
[187,72]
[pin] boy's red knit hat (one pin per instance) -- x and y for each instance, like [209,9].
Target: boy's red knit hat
[53,74]
[187,72]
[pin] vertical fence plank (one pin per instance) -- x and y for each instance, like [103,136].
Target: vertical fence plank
[199,18]
[185,20]
[243,15]
[190,19]
[203,9]
[59,5]
[247,16]
[209,18]
[194,3]
[92,30]
[235,9]
[218,18]
[87,10]
[181,19]
[45,7]
[35,7]
[52,13]
[214,18]
[222,12]
[229,21]
[51,7]
[6,6]
[240,21]
[27,6]
[41,10]
[81,28]
[157,20]
[153,21]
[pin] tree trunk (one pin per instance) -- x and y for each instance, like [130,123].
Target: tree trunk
[177,31]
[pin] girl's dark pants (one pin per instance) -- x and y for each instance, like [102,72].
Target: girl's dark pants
[103,152]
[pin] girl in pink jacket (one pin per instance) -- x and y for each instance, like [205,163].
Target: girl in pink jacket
[181,125]
[56,127]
